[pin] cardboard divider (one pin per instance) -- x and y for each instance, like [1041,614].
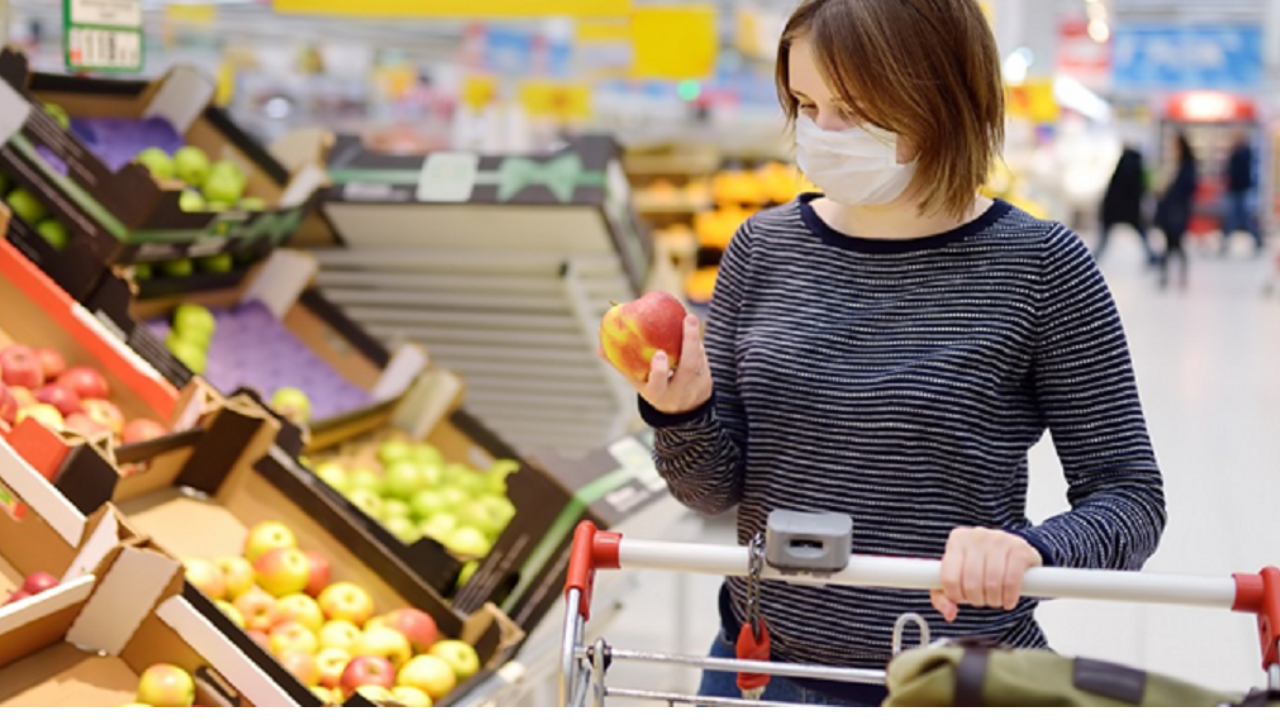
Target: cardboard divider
[204,491]
[121,214]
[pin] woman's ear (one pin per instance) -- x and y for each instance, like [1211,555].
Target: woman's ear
[907,151]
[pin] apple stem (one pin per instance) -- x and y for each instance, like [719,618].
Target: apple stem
[613,303]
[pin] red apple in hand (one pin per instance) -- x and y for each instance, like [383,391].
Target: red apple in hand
[142,430]
[363,671]
[8,406]
[52,362]
[105,413]
[63,398]
[86,382]
[320,572]
[20,367]
[631,334]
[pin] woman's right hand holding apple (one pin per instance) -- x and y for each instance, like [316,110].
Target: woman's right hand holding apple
[685,389]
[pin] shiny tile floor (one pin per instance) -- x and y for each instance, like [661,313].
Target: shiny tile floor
[1208,364]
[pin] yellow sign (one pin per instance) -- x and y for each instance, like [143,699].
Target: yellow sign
[1034,101]
[479,91]
[603,31]
[563,101]
[476,9]
[674,42]
[191,13]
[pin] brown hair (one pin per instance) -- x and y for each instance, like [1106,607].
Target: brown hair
[927,70]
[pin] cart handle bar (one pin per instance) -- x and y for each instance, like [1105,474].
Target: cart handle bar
[1256,594]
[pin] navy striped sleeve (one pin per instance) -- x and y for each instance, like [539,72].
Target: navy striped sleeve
[1086,391]
[701,454]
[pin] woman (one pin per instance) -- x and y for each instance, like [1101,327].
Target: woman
[892,348]
[1122,203]
[1173,214]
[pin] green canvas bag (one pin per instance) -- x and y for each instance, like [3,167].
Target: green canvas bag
[970,675]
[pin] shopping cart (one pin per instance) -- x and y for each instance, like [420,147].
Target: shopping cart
[813,549]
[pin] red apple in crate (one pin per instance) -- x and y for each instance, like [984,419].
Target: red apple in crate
[86,382]
[206,576]
[292,635]
[265,537]
[166,686]
[81,424]
[17,596]
[230,611]
[302,665]
[320,574]
[363,671]
[258,608]
[8,406]
[283,571]
[260,637]
[340,635]
[302,608]
[46,415]
[20,367]
[38,582]
[416,626]
[51,362]
[24,396]
[238,573]
[141,430]
[332,662]
[429,674]
[63,398]
[105,413]
[630,334]
[346,601]
[384,642]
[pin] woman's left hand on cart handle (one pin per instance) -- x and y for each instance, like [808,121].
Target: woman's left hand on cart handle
[983,568]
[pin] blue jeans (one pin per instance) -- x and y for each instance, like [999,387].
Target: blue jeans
[780,689]
[1238,215]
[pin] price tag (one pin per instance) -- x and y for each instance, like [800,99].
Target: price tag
[103,35]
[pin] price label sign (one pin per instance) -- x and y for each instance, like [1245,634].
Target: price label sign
[104,35]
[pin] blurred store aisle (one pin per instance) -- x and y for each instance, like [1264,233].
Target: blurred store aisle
[1208,364]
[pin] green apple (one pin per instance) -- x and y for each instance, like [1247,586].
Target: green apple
[428,503]
[222,188]
[142,272]
[59,114]
[222,263]
[403,479]
[439,527]
[179,268]
[474,482]
[425,454]
[195,322]
[368,501]
[192,202]
[468,570]
[227,168]
[366,479]
[191,165]
[253,204]
[26,206]
[481,517]
[391,452]
[293,404]
[500,508]
[468,541]
[54,232]
[188,353]
[454,497]
[404,529]
[459,655]
[395,508]
[334,476]
[497,474]
[219,207]
[158,162]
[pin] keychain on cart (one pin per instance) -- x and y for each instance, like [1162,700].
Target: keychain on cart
[753,638]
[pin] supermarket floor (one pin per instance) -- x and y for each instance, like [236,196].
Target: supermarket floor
[1208,364]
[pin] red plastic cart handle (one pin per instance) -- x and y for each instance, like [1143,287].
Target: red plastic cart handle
[592,550]
[1260,595]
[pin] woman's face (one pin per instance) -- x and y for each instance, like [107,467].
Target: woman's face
[815,100]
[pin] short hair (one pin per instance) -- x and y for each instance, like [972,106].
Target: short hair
[927,70]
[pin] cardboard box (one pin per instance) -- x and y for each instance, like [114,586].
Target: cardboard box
[275,311]
[203,490]
[115,210]
[525,573]
[38,313]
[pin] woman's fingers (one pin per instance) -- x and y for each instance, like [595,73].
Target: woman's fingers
[943,604]
[659,377]
[693,357]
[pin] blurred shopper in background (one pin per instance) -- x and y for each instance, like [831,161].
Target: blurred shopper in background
[1238,214]
[1173,214]
[1122,203]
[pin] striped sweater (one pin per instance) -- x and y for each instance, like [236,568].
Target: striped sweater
[903,383]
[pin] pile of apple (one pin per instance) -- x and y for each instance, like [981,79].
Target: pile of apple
[37,383]
[185,267]
[414,493]
[33,212]
[211,186]
[190,335]
[328,634]
[33,584]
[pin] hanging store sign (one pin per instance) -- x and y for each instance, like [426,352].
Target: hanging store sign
[1168,57]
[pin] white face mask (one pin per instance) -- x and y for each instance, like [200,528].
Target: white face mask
[854,166]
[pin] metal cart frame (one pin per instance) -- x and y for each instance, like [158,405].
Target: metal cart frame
[583,668]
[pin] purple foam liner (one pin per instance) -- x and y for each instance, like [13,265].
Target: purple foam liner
[117,141]
[253,349]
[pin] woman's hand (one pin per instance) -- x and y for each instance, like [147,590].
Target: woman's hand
[686,389]
[983,568]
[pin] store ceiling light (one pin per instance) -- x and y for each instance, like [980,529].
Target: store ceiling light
[1017,65]
[1100,31]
